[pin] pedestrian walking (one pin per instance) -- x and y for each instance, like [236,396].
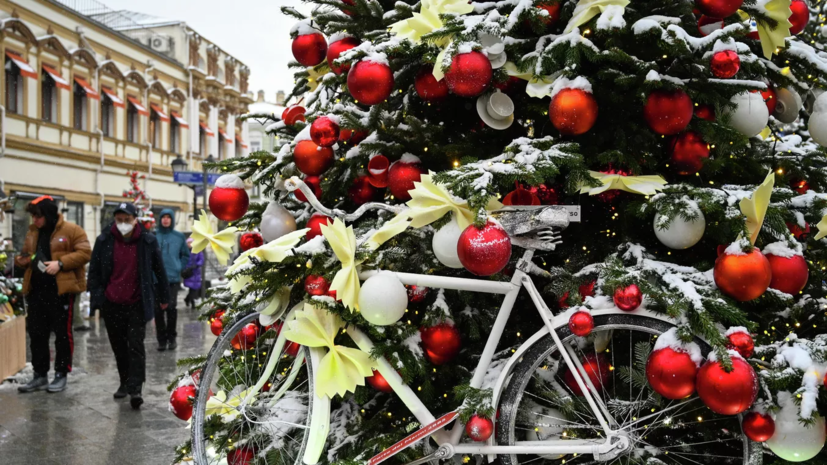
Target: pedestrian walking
[176,256]
[126,265]
[54,255]
[192,275]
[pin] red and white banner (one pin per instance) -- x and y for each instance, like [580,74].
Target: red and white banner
[423,432]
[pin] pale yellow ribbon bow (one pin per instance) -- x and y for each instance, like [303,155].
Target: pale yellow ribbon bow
[430,202]
[645,185]
[773,39]
[273,251]
[226,408]
[588,9]
[221,243]
[755,206]
[822,227]
[342,368]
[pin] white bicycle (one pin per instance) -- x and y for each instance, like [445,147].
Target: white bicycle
[549,407]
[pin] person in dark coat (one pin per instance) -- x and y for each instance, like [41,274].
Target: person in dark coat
[126,275]
[176,257]
[192,275]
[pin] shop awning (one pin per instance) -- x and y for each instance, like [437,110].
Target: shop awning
[113,96]
[160,112]
[181,121]
[138,106]
[59,81]
[90,92]
[23,65]
[207,129]
[224,135]
[240,141]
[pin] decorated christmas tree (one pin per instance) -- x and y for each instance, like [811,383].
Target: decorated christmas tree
[634,185]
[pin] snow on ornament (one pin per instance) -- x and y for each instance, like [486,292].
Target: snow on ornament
[276,221]
[739,340]
[707,25]
[309,47]
[403,174]
[370,81]
[680,233]
[336,48]
[673,365]
[484,251]
[740,275]
[496,109]
[573,109]
[325,131]
[788,104]
[750,115]
[469,75]
[383,299]
[792,440]
[727,393]
[789,269]
[228,199]
[444,244]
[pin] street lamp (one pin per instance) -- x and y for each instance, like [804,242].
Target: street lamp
[205,170]
[179,164]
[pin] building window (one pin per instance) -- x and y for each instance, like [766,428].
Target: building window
[202,138]
[107,116]
[48,94]
[222,142]
[132,122]
[74,213]
[14,88]
[238,147]
[155,129]
[80,107]
[255,141]
[174,135]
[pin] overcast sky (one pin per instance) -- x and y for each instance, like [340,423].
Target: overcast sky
[254,31]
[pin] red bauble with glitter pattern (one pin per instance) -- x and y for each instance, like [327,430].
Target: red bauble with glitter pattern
[470,74]
[671,373]
[428,88]
[312,159]
[315,185]
[246,338]
[241,456]
[718,8]
[743,277]
[315,224]
[484,251]
[687,153]
[369,82]
[336,49]
[228,203]
[324,131]
[581,323]
[416,294]
[596,367]
[727,393]
[573,111]
[668,111]
[362,191]
[742,343]
[800,16]
[316,285]
[441,342]
[309,49]
[628,298]
[401,178]
[479,429]
[180,401]
[378,382]
[250,240]
[724,64]
[789,274]
[758,427]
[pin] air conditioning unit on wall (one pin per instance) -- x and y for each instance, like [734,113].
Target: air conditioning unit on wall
[160,43]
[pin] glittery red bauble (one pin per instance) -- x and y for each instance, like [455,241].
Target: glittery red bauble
[628,298]
[687,152]
[246,338]
[743,277]
[401,178]
[416,294]
[668,111]
[742,343]
[479,429]
[573,111]
[352,137]
[369,82]
[707,25]
[216,326]
[724,64]
[250,240]
[553,9]
[718,8]
[336,49]
[789,274]
[727,393]
[521,196]
[309,49]
[316,285]
[311,159]
[585,290]
[442,342]
[671,373]
[228,204]
[581,323]
[293,114]
[315,224]
[484,251]
[469,75]
[800,16]
[801,186]
[798,232]
[180,401]
[324,131]
[705,111]
[315,185]
[596,367]
[378,382]
[758,427]
[241,456]
[362,191]
[428,88]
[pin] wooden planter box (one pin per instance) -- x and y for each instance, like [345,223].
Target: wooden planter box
[12,347]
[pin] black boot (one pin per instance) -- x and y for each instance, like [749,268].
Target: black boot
[121,392]
[136,400]
[58,384]
[162,346]
[172,345]
[37,383]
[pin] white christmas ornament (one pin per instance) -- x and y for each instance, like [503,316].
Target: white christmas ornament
[276,221]
[788,103]
[818,127]
[445,244]
[680,234]
[545,424]
[793,441]
[383,299]
[811,98]
[496,109]
[750,115]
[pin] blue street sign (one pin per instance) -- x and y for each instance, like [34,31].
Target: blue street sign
[194,178]
[199,190]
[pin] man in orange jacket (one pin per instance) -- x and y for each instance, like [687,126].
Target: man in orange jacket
[54,255]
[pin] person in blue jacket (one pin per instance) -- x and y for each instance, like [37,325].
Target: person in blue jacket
[176,257]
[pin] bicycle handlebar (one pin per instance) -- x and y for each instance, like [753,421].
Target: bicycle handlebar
[294,183]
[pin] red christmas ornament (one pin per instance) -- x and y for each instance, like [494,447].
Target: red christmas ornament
[789,274]
[312,159]
[742,343]
[378,382]
[553,9]
[573,111]
[216,326]
[348,11]
[800,16]
[241,456]
[229,200]
[770,98]
[309,49]
[585,290]
[484,251]
[428,88]
[402,176]
[362,191]
[250,240]
[687,152]
[707,25]
[581,323]
[315,224]
[290,347]
[479,429]
[798,232]
[336,49]
[718,8]
[219,314]
[416,294]
[246,338]
[316,285]
[668,111]
[324,131]
[596,367]
[671,373]
[469,75]
[743,277]
[725,64]
[801,186]
[352,136]
[293,114]
[378,167]
[727,393]
[521,196]
[315,185]
[180,401]
[370,82]
[705,111]
[758,427]
[441,342]
[628,298]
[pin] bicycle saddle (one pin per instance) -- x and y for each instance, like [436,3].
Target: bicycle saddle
[533,227]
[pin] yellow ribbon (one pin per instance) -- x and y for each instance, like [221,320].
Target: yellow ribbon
[537,87]
[822,227]
[773,39]
[755,207]
[274,251]
[588,9]
[227,409]
[430,202]
[342,368]
[221,243]
[343,242]
[645,185]
[388,230]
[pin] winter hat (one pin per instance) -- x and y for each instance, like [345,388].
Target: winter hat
[44,206]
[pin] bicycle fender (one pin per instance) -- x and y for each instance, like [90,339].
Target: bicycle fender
[319,417]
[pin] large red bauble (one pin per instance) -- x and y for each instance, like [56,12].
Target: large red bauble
[378,382]
[770,98]
[316,285]
[324,131]
[309,49]
[581,323]
[241,456]
[428,88]
[479,429]
[370,82]
[246,338]
[800,16]
[315,185]
[743,277]
[311,159]
[671,373]
[292,114]
[216,326]
[628,298]
[597,369]
[484,251]
[315,224]
[724,64]
[336,49]
[442,342]
[573,111]
[416,294]
[789,275]
[668,111]
[250,240]
[228,204]
[718,8]
[401,178]
[469,75]
[742,343]
[180,401]
[705,111]
[727,393]
[798,232]
[348,11]
[362,191]
[687,152]
[707,25]
[758,427]
[553,9]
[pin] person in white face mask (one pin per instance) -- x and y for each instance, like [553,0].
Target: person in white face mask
[126,276]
